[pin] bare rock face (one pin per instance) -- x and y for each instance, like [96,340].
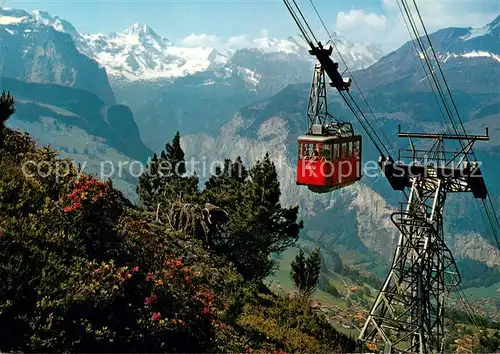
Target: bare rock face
[371,225]
[475,247]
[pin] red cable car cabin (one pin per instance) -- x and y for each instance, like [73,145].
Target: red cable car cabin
[326,163]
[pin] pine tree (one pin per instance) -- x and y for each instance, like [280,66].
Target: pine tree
[6,110]
[258,225]
[305,272]
[298,271]
[173,158]
[225,187]
[166,179]
[149,184]
[313,264]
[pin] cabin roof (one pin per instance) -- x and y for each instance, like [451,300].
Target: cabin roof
[326,138]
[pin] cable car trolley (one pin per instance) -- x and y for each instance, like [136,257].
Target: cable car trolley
[329,155]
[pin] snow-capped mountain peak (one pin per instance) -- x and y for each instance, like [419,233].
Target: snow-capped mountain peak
[141,53]
[140,29]
[56,22]
[494,25]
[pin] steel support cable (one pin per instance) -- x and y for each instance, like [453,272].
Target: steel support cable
[428,63]
[468,308]
[426,77]
[299,24]
[494,213]
[485,221]
[305,21]
[441,93]
[491,223]
[466,304]
[352,77]
[368,123]
[361,122]
[471,309]
[440,70]
[460,122]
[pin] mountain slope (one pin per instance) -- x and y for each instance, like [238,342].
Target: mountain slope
[357,217]
[104,140]
[31,50]
[78,108]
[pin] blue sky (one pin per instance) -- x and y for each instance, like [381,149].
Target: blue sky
[368,20]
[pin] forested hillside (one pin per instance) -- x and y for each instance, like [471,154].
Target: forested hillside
[84,270]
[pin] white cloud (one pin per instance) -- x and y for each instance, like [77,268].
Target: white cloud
[360,26]
[239,41]
[451,13]
[209,40]
[354,18]
[231,43]
[197,40]
[389,28]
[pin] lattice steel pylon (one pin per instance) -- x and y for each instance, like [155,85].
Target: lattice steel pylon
[408,313]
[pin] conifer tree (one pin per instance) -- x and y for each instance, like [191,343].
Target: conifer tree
[149,184]
[258,225]
[305,272]
[166,179]
[6,110]
[173,155]
[298,271]
[224,188]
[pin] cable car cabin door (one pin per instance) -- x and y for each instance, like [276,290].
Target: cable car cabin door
[313,165]
[346,161]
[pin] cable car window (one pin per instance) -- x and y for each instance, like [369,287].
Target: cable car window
[343,150]
[336,151]
[308,151]
[315,155]
[302,149]
[356,148]
[326,152]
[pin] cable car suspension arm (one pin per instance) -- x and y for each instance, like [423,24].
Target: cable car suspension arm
[331,69]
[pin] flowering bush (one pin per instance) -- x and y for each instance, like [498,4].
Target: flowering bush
[83,271]
[92,198]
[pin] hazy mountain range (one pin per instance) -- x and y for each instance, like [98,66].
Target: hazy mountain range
[246,102]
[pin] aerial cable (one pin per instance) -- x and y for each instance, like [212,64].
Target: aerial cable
[299,24]
[368,123]
[355,83]
[432,71]
[491,223]
[440,70]
[458,116]
[494,214]
[428,63]
[305,21]
[468,308]
[363,124]
[427,80]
